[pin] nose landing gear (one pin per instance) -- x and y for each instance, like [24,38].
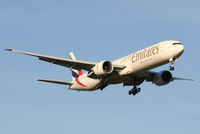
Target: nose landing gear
[172,61]
[171,67]
[134,91]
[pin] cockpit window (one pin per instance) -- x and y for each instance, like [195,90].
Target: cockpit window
[177,43]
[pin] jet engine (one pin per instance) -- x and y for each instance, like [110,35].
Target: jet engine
[103,68]
[162,78]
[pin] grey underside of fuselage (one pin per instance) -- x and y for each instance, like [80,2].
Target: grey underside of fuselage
[117,79]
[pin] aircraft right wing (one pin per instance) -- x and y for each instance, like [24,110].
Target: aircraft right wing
[177,78]
[149,76]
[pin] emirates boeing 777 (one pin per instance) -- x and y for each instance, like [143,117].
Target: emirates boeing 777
[131,70]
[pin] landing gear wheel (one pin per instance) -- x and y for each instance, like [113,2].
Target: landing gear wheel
[172,61]
[134,94]
[171,68]
[103,85]
[134,91]
[130,92]
[138,90]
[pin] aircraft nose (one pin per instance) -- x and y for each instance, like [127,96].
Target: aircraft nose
[181,48]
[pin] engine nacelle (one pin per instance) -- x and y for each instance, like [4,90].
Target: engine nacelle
[103,68]
[162,78]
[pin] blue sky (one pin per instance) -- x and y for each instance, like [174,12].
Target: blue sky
[95,31]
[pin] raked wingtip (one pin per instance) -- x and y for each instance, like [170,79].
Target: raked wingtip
[8,49]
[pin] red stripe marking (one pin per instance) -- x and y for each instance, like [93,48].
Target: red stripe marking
[77,80]
[80,72]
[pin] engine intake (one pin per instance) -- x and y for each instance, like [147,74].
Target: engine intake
[162,78]
[103,68]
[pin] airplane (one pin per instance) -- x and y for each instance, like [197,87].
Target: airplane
[131,70]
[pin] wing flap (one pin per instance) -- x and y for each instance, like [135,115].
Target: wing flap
[56,82]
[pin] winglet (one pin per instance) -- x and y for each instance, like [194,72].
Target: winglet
[8,49]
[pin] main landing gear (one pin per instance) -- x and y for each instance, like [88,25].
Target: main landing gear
[172,61]
[103,85]
[134,91]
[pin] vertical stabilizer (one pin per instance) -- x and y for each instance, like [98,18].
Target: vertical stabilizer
[75,73]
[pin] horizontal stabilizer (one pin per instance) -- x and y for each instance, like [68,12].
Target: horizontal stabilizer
[57,82]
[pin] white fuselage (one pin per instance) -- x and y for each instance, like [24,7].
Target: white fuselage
[136,63]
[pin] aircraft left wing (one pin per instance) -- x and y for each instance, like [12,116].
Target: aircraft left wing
[60,61]
[72,64]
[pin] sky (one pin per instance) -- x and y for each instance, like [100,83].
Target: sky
[95,31]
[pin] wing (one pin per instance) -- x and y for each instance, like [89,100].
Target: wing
[148,76]
[177,78]
[61,61]
[72,64]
